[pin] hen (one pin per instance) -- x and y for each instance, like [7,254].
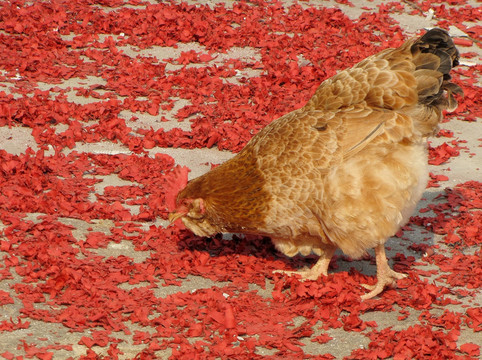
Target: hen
[345,171]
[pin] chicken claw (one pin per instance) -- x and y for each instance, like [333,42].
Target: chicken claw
[385,275]
[320,268]
[305,274]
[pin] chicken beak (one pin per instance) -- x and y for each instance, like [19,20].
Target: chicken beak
[174,216]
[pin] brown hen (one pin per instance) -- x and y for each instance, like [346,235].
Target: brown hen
[345,171]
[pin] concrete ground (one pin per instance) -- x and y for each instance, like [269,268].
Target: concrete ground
[66,344]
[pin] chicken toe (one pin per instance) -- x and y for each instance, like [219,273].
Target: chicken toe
[320,268]
[385,275]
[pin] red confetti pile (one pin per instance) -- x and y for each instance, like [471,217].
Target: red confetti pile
[66,278]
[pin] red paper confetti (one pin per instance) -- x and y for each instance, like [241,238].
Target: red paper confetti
[470,349]
[111,278]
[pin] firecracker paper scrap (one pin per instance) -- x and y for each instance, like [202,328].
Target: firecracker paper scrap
[106,110]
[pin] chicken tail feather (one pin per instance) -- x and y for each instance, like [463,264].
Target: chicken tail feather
[434,56]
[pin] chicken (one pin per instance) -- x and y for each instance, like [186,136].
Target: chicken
[345,171]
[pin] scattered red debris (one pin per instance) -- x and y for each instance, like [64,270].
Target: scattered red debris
[64,280]
[418,341]
[440,154]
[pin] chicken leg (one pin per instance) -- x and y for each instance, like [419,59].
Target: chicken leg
[385,275]
[320,268]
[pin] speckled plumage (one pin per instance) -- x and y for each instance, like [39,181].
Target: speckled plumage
[345,171]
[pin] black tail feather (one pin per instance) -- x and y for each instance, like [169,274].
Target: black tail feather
[436,41]
[436,51]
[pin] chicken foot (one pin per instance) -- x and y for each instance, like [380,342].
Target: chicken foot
[320,268]
[385,275]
